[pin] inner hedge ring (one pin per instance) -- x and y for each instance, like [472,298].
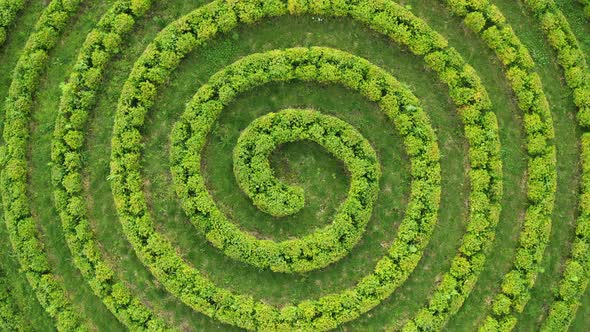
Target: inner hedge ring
[316,64]
[260,138]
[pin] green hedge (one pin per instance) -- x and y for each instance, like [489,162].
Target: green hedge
[255,176]
[22,229]
[10,317]
[322,247]
[486,20]
[189,135]
[8,11]
[77,101]
[586,4]
[386,17]
[576,272]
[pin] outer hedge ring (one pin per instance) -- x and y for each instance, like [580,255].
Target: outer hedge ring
[77,99]
[23,233]
[488,22]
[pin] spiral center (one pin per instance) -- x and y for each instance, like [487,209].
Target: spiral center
[256,143]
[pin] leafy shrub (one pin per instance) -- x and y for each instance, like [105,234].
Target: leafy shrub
[68,140]
[10,318]
[8,11]
[256,142]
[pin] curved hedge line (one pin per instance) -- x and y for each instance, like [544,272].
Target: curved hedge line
[10,317]
[486,20]
[78,99]
[8,11]
[325,65]
[324,246]
[24,236]
[255,176]
[576,274]
[315,64]
[385,17]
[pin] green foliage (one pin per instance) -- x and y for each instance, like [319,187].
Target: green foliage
[467,92]
[68,140]
[255,177]
[159,253]
[27,244]
[8,11]
[253,171]
[526,85]
[586,4]
[10,317]
[571,58]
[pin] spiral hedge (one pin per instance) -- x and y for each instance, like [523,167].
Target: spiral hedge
[295,165]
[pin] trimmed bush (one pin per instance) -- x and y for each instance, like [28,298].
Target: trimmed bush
[255,176]
[10,317]
[256,143]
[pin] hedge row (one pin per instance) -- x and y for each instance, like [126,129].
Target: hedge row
[77,101]
[577,76]
[576,271]
[8,11]
[294,255]
[315,64]
[385,17]
[486,20]
[24,235]
[10,317]
[255,176]
[322,247]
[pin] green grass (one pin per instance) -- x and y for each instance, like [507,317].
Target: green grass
[305,164]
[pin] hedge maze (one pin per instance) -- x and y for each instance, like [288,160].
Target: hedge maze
[295,165]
